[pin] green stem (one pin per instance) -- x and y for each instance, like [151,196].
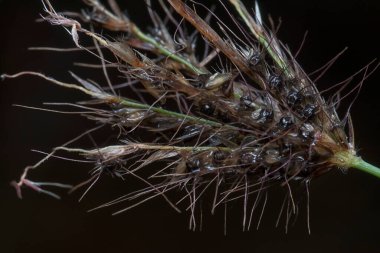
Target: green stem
[348,159]
[161,111]
[94,92]
[362,165]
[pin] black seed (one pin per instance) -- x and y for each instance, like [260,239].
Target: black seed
[307,131]
[265,115]
[285,122]
[309,110]
[306,134]
[247,102]
[207,109]
[275,82]
[193,165]
[190,132]
[214,140]
[250,158]
[191,129]
[294,97]
[218,156]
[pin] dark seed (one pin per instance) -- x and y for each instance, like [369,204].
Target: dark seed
[218,156]
[307,131]
[265,115]
[189,132]
[294,97]
[247,102]
[207,109]
[285,122]
[250,158]
[193,165]
[275,82]
[309,110]
[214,141]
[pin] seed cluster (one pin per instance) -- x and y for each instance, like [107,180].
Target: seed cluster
[238,120]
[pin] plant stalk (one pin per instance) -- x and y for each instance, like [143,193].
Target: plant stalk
[362,165]
[348,159]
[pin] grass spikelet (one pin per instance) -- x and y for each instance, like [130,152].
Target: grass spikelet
[225,124]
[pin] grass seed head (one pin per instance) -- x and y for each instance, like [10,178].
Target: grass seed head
[239,119]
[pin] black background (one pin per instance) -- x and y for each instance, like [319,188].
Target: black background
[344,208]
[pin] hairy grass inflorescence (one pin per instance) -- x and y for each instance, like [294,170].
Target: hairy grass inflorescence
[222,108]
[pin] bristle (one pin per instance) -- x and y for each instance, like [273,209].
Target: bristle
[241,119]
